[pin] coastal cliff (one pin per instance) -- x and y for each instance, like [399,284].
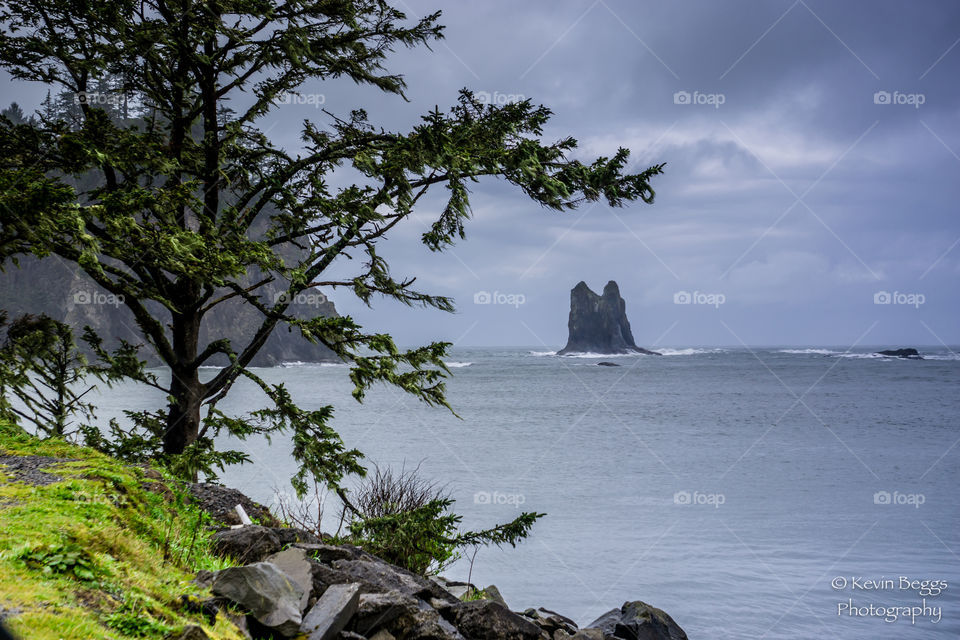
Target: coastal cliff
[65,293]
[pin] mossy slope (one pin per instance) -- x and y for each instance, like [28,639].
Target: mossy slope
[104,552]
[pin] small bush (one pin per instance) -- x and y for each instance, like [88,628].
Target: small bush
[407,520]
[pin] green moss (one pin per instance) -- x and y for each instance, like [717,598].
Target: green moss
[103,553]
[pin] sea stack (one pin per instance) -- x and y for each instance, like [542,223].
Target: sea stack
[598,323]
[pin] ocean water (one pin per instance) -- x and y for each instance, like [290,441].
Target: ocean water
[771,493]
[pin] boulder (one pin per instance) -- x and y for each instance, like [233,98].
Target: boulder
[909,353]
[489,620]
[270,597]
[380,610]
[328,553]
[295,565]
[246,544]
[332,612]
[607,364]
[492,593]
[191,632]
[379,576]
[322,576]
[588,634]
[551,621]
[638,621]
[290,536]
[455,588]
[598,324]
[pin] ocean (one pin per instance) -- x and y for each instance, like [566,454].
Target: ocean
[750,493]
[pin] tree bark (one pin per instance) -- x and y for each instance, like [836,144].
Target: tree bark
[186,390]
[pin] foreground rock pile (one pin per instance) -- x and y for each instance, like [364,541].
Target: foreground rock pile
[294,585]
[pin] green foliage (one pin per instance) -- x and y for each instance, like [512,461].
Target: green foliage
[134,619]
[426,539]
[407,521]
[41,367]
[68,559]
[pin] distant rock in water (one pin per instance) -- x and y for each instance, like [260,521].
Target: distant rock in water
[607,364]
[910,353]
[598,324]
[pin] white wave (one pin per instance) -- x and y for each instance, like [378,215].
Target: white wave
[942,356]
[588,354]
[543,353]
[821,352]
[687,352]
[457,365]
[867,356]
[300,363]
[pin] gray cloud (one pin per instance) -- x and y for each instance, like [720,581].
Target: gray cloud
[798,197]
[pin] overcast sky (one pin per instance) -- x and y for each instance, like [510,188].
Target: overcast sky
[813,157]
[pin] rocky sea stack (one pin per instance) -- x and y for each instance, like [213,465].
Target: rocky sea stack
[598,323]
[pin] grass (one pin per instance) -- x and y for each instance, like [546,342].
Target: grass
[104,553]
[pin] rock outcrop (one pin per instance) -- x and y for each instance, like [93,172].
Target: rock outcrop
[328,592]
[909,353]
[313,590]
[638,621]
[598,323]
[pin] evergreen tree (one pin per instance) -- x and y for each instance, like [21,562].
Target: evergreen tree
[192,196]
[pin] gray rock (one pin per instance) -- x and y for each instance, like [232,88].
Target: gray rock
[638,621]
[246,544]
[910,353]
[401,615]
[588,634]
[492,593]
[380,576]
[607,364]
[293,562]
[290,536]
[192,632]
[380,610]
[383,634]
[458,589]
[598,324]
[328,553]
[551,621]
[266,592]
[488,620]
[333,610]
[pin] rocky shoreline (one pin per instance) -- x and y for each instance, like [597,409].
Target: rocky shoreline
[294,584]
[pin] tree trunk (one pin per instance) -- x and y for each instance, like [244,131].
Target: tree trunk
[186,391]
[183,413]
